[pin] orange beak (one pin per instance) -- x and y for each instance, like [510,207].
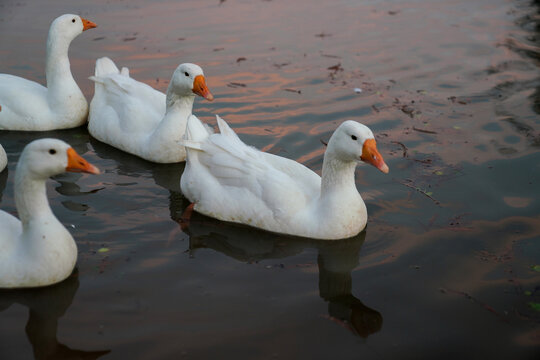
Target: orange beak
[87,24]
[77,164]
[200,88]
[371,155]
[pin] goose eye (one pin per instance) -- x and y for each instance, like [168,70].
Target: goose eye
[72,20]
[52,151]
[186,73]
[354,137]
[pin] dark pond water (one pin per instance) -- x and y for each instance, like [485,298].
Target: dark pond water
[445,268]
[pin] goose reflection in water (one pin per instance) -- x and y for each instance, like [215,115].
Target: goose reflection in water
[336,261]
[3,181]
[46,306]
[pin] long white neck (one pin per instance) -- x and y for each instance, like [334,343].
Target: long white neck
[337,176]
[340,207]
[174,122]
[30,196]
[60,82]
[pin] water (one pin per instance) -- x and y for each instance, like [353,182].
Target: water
[444,268]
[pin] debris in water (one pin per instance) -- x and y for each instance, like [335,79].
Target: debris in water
[279,66]
[422,191]
[103,250]
[331,56]
[294,91]
[424,131]
[336,68]
[357,90]
[403,146]
[455,99]
[323,35]
[236,84]
[484,305]
[407,110]
[240,59]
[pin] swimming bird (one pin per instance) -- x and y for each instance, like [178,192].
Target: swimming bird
[29,106]
[38,250]
[228,180]
[3,158]
[134,117]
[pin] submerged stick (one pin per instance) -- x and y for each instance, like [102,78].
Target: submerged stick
[403,146]
[424,131]
[475,300]
[420,191]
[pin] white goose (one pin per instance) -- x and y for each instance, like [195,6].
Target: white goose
[38,250]
[231,181]
[3,158]
[3,155]
[29,106]
[134,117]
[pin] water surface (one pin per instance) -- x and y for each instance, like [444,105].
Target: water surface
[445,267]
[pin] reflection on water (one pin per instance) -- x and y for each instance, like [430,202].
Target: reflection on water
[336,260]
[3,181]
[46,306]
[165,175]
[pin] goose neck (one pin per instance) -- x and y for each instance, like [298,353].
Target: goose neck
[57,67]
[337,175]
[30,196]
[176,103]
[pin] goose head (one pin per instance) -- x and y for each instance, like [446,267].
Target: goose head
[44,158]
[69,26]
[187,80]
[353,141]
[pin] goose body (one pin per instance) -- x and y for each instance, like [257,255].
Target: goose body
[3,158]
[134,117]
[29,106]
[38,250]
[231,181]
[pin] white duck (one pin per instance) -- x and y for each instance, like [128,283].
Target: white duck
[38,250]
[29,106]
[134,117]
[231,181]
